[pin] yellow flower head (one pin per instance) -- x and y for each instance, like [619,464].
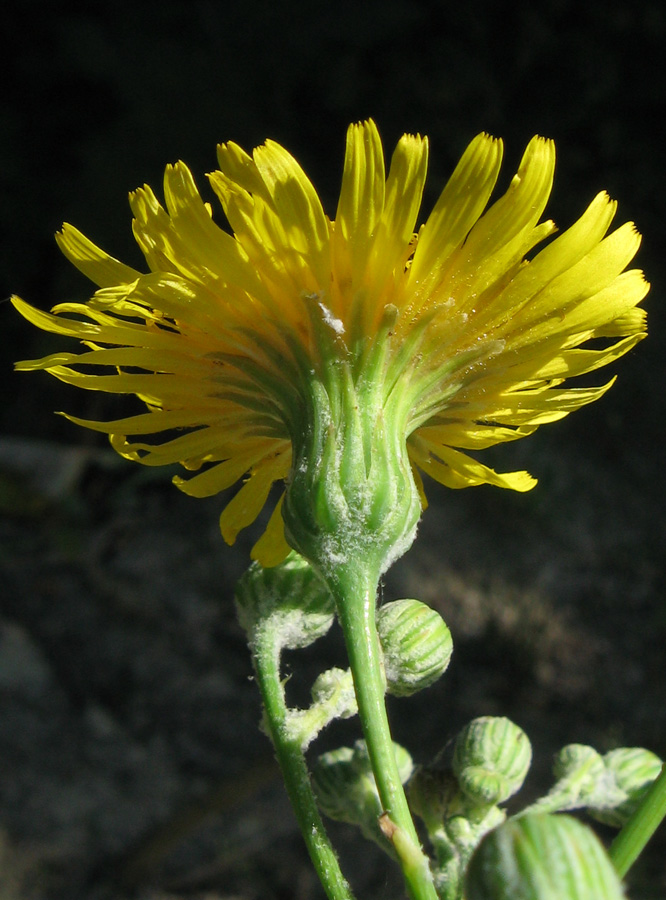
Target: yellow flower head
[227,335]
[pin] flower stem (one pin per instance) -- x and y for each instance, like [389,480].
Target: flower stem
[356,592]
[266,657]
[630,842]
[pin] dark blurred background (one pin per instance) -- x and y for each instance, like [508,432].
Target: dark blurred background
[131,761]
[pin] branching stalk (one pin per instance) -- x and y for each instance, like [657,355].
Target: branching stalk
[266,656]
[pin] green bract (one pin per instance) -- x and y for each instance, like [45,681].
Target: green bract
[351,494]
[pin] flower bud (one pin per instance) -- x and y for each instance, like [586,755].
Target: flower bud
[403,760]
[633,770]
[434,794]
[351,493]
[334,689]
[345,786]
[491,759]
[416,643]
[337,786]
[583,781]
[582,777]
[580,761]
[542,857]
[291,595]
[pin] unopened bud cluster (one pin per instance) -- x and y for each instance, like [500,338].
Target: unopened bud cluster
[609,787]
[458,796]
[537,854]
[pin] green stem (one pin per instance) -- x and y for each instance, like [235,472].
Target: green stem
[356,592]
[266,657]
[637,831]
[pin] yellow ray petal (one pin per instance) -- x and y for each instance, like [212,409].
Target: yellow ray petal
[570,363]
[563,253]
[457,470]
[219,478]
[361,202]
[297,206]
[473,436]
[391,245]
[272,548]
[214,252]
[519,208]
[241,169]
[146,423]
[587,313]
[196,447]
[246,505]
[537,406]
[94,263]
[461,203]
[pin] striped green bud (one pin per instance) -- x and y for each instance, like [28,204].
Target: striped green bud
[633,770]
[581,774]
[581,761]
[542,857]
[345,787]
[416,644]
[434,795]
[491,758]
[340,792]
[290,595]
